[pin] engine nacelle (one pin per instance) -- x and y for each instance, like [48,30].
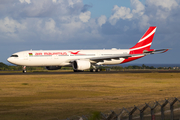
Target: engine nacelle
[53,67]
[81,65]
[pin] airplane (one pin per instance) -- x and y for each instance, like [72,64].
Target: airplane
[82,60]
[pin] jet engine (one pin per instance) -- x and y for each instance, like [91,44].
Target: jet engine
[81,65]
[53,67]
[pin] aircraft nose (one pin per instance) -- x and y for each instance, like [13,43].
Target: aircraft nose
[9,59]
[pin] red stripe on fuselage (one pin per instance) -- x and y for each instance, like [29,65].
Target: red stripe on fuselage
[139,51]
[131,59]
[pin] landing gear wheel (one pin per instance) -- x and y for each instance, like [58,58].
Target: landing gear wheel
[94,70]
[97,70]
[24,71]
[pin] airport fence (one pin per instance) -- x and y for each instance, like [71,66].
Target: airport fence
[168,109]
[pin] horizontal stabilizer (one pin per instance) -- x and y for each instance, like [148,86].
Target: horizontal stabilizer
[155,51]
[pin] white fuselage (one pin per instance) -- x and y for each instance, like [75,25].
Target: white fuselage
[63,57]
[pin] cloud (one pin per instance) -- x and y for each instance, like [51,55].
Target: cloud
[70,20]
[50,26]
[125,13]
[27,1]
[165,4]
[144,22]
[154,12]
[54,1]
[43,20]
[161,9]
[120,13]
[40,8]
[64,20]
[84,17]
[7,1]
[10,28]
[138,7]
[102,20]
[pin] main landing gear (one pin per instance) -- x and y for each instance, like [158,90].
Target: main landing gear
[24,69]
[95,70]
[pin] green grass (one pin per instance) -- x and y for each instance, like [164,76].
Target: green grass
[48,97]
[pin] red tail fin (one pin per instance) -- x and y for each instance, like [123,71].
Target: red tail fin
[145,42]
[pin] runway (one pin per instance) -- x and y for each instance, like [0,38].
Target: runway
[86,72]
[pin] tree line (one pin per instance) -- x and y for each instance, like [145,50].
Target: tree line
[4,67]
[136,67]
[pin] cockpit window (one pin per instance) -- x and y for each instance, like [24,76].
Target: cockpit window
[14,55]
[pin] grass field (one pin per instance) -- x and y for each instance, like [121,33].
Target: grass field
[48,97]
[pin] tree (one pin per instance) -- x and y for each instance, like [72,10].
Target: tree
[144,66]
[3,66]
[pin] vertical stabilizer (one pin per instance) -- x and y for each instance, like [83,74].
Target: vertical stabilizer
[145,42]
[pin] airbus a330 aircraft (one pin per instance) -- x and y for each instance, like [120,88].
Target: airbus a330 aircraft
[82,60]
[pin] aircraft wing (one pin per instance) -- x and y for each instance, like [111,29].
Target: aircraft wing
[126,56]
[116,57]
[102,58]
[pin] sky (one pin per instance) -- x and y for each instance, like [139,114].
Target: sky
[89,24]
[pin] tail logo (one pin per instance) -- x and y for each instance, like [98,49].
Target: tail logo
[145,42]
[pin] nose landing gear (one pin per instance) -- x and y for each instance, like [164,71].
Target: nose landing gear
[24,69]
